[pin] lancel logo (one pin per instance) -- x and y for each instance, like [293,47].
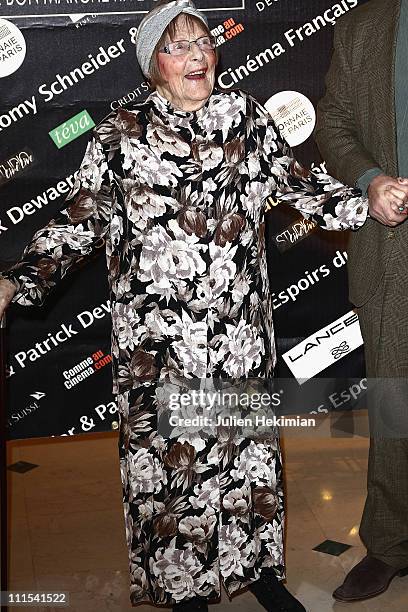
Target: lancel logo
[15,164]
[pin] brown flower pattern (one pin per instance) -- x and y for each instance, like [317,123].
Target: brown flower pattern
[179,200]
[266,502]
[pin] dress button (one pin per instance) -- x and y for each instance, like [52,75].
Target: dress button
[391,234]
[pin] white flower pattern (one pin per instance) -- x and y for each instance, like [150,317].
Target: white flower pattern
[179,198]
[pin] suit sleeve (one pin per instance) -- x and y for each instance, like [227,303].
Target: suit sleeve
[73,235]
[363,182]
[336,133]
[317,196]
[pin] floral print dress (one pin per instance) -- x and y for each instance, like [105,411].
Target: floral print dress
[178,199]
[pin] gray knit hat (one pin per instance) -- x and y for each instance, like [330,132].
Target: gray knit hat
[154,24]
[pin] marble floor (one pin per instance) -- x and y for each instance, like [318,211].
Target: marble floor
[67,533]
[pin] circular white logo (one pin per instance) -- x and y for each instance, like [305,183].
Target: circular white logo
[294,115]
[12,48]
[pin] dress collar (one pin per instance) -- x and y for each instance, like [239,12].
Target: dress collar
[166,108]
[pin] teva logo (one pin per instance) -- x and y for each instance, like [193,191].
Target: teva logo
[71,129]
[324,347]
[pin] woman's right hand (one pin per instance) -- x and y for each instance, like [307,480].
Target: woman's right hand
[7,291]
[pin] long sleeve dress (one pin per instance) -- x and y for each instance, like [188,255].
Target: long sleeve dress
[179,198]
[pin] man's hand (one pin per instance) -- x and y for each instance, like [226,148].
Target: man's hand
[386,196]
[7,290]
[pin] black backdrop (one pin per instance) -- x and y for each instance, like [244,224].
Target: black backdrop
[260,52]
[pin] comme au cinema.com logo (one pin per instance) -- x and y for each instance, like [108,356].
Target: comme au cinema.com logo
[294,115]
[12,48]
[85,368]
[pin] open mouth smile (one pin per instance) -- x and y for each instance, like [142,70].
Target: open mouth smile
[197,75]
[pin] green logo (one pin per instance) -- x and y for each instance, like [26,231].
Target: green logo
[71,129]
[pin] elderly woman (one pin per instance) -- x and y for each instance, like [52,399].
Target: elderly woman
[176,187]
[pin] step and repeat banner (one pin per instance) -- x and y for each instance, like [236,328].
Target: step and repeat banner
[64,65]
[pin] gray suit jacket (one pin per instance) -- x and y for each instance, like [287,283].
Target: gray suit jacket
[356,128]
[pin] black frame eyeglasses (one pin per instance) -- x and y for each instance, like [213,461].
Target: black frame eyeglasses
[182,47]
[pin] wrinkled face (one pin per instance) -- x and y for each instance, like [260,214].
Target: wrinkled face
[183,88]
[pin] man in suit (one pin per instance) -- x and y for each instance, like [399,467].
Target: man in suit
[362,133]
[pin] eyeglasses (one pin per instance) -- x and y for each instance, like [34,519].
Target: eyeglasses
[182,47]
